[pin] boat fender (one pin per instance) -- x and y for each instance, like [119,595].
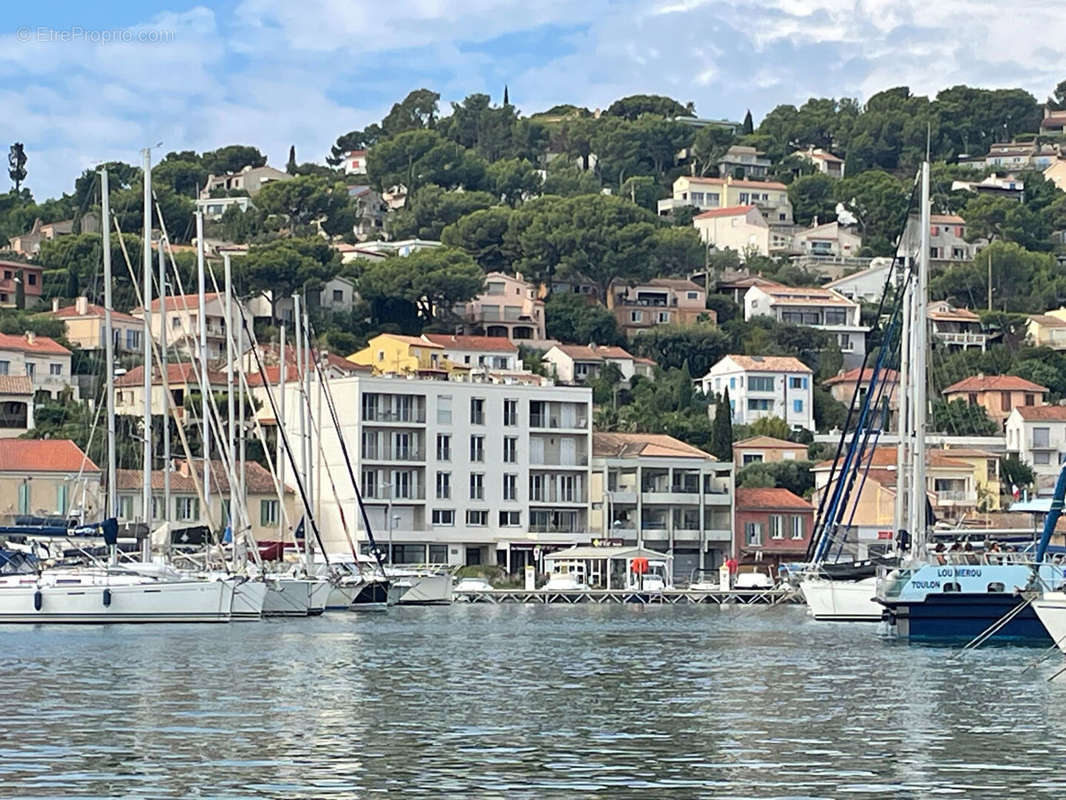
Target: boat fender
[38,600]
[107,598]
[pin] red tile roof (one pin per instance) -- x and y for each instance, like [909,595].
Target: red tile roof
[500,344]
[16,384]
[43,455]
[757,499]
[257,479]
[628,445]
[946,219]
[743,184]
[734,211]
[43,345]
[1047,320]
[994,383]
[769,363]
[181,302]
[806,296]
[182,373]
[889,375]
[1049,413]
[886,457]
[93,310]
[769,442]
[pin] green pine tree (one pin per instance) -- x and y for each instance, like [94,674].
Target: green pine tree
[722,430]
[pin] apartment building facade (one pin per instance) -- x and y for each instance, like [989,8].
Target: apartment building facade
[653,491]
[707,193]
[508,307]
[1037,435]
[659,301]
[456,470]
[764,386]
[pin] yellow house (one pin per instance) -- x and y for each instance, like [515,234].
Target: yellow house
[1048,329]
[1056,173]
[84,322]
[392,352]
[985,474]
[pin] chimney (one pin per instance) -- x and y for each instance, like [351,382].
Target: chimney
[55,304]
[81,306]
[31,337]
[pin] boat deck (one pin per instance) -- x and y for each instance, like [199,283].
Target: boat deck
[667,597]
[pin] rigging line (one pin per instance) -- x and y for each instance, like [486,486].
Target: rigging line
[85,452]
[308,511]
[149,367]
[820,521]
[348,463]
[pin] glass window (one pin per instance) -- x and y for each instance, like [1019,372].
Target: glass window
[797,383]
[510,449]
[477,518]
[443,516]
[268,512]
[510,519]
[753,533]
[438,554]
[477,448]
[444,409]
[444,447]
[477,486]
[751,458]
[57,369]
[1041,437]
[510,486]
[5,367]
[510,413]
[797,527]
[777,530]
[187,508]
[797,406]
[1041,457]
[477,411]
[444,485]
[760,383]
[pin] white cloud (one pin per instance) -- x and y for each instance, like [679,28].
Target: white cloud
[274,73]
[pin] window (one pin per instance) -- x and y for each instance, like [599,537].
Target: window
[697,198]
[776,527]
[133,339]
[477,486]
[510,519]
[636,316]
[477,411]
[338,295]
[1004,401]
[756,404]
[834,317]
[510,449]
[31,368]
[268,512]
[536,487]
[760,383]
[1030,399]
[55,369]
[438,554]
[444,409]
[175,322]
[444,447]
[664,316]
[444,485]
[692,295]
[510,486]
[370,483]
[477,448]
[971,398]
[31,279]
[753,533]
[1041,457]
[845,343]
[797,406]
[797,527]
[125,508]
[1041,437]
[5,367]
[443,516]
[477,519]
[510,413]
[751,458]
[797,383]
[187,508]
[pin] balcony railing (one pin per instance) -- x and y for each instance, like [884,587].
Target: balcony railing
[555,496]
[541,421]
[949,337]
[956,496]
[558,461]
[376,415]
[536,527]
[382,493]
[389,453]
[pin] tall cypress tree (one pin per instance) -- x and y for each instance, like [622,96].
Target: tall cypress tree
[722,430]
[291,166]
[748,126]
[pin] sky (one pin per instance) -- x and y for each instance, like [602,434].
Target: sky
[80,84]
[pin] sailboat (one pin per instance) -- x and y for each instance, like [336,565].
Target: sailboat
[139,591]
[931,597]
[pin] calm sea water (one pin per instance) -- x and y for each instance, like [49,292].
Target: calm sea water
[522,702]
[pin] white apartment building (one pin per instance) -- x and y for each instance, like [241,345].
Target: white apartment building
[706,193]
[456,471]
[764,386]
[1037,435]
[742,229]
[867,284]
[824,309]
[651,490]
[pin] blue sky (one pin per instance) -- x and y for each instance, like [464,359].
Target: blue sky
[277,72]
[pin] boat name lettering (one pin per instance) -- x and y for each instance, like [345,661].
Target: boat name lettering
[958,572]
[925,584]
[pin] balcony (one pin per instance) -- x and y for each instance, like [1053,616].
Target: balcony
[540,421]
[381,495]
[558,527]
[959,497]
[962,339]
[389,453]
[552,495]
[558,461]
[375,415]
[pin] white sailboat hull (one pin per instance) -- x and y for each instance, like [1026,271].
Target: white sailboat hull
[318,596]
[294,597]
[248,599]
[70,602]
[1050,608]
[420,590]
[842,601]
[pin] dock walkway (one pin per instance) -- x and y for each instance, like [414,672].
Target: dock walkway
[767,597]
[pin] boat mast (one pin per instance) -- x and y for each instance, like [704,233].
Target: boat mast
[205,383]
[228,318]
[242,430]
[920,328]
[146,476]
[164,375]
[300,369]
[282,375]
[903,422]
[310,471]
[111,508]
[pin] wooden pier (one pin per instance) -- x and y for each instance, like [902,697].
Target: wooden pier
[750,597]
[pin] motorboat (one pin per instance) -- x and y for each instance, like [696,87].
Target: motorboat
[139,593]
[835,599]
[703,580]
[652,579]
[753,579]
[419,585]
[473,585]
[567,576]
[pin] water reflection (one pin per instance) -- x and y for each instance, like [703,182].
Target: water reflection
[522,702]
